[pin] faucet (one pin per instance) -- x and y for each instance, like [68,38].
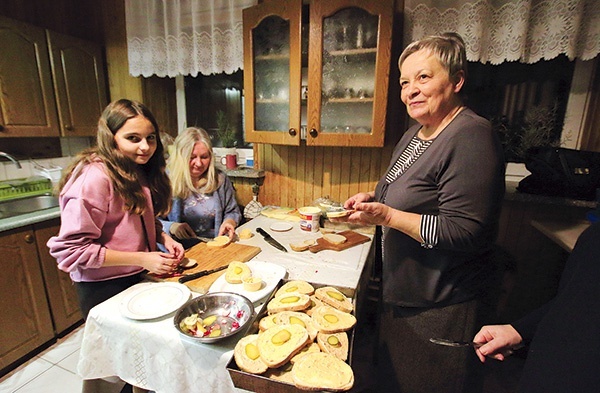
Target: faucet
[14,160]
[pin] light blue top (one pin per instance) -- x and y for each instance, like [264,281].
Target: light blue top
[206,212]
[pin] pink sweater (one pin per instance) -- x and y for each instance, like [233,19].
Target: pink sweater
[93,219]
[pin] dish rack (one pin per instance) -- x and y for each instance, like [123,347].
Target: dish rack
[19,188]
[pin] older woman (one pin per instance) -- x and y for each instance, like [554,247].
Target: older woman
[438,205]
[204,199]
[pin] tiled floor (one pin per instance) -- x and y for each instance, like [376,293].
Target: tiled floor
[52,371]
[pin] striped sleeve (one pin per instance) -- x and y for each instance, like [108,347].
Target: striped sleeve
[429,230]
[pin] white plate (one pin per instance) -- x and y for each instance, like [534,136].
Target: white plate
[281,226]
[153,300]
[269,272]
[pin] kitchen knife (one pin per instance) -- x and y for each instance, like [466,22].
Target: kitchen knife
[270,240]
[193,276]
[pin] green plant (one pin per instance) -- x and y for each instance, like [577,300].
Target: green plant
[225,132]
[538,127]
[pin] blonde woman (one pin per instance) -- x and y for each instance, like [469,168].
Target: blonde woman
[204,198]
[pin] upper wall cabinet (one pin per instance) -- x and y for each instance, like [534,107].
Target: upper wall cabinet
[79,83]
[50,84]
[27,104]
[332,90]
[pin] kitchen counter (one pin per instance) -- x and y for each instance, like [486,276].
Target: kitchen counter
[29,218]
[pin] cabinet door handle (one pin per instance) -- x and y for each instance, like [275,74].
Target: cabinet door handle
[313,132]
[69,128]
[292,131]
[29,238]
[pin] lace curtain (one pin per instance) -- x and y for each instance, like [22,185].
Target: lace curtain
[184,37]
[508,30]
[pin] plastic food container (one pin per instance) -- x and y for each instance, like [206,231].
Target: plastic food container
[309,218]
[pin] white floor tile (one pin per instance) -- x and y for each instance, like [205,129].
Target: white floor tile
[24,374]
[64,348]
[70,362]
[55,380]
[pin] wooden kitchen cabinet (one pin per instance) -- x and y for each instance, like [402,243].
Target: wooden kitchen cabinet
[25,320]
[321,75]
[79,83]
[51,84]
[62,295]
[27,104]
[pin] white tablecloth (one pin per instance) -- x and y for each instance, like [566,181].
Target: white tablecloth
[153,355]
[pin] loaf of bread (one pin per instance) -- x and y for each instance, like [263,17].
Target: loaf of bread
[236,272]
[331,320]
[333,297]
[295,286]
[278,344]
[322,371]
[247,357]
[292,301]
[334,343]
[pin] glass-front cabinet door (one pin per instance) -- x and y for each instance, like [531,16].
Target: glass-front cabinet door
[272,72]
[332,94]
[349,62]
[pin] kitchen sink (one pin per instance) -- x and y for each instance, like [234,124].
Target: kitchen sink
[15,207]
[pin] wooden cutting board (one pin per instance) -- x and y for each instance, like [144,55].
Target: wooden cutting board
[210,258]
[353,239]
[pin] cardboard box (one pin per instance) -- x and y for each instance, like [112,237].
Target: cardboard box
[263,384]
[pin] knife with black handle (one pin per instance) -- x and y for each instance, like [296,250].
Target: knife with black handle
[193,276]
[270,240]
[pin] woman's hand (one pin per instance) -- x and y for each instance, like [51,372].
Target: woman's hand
[358,198]
[498,341]
[370,213]
[175,248]
[227,228]
[182,230]
[158,262]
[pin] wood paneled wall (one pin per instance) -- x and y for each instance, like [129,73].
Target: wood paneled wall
[297,175]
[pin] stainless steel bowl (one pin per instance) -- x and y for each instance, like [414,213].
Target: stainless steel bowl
[234,313]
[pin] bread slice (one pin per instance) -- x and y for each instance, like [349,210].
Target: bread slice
[322,371]
[298,318]
[245,234]
[236,272]
[247,356]
[278,344]
[333,297]
[334,343]
[295,286]
[312,347]
[299,247]
[281,374]
[267,322]
[218,242]
[292,301]
[331,320]
[334,238]
[314,303]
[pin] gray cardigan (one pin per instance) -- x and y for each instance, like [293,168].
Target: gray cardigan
[459,179]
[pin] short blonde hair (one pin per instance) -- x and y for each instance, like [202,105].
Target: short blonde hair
[179,164]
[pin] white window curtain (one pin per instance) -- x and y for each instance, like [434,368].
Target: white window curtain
[496,31]
[185,37]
